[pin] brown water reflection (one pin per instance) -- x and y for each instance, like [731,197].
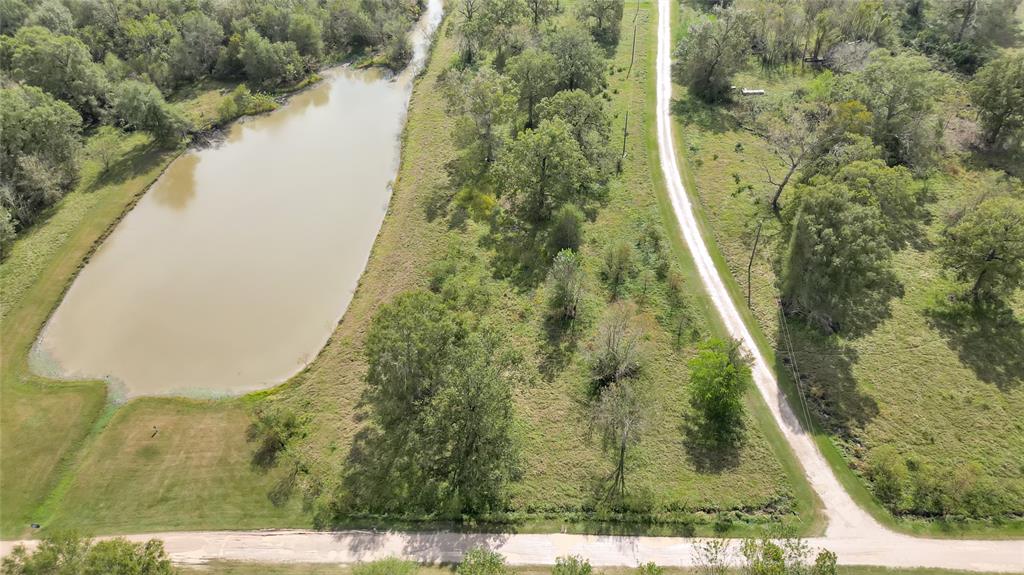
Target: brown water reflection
[232,271]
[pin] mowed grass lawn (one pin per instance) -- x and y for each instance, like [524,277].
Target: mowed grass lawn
[44,424]
[949,394]
[195,472]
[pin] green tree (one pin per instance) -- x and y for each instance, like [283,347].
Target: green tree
[195,51]
[60,65]
[603,18]
[620,415]
[269,63]
[901,93]
[892,190]
[984,245]
[38,152]
[12,15]
[441,394]
[542,170]
[615,352]
[565,284]
[500,21]
[533,72]
[719,376]
[305,32]
[578,60]
[52,15]
[587,120]
[149,48]
[410,343]
[835,256]
[484,104]
[469,424]
[997,91]
[711,52]
[481,561]
[140,106]
[541,10]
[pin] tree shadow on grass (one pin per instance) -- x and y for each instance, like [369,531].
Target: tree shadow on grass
[710,117]
[139,160]
[562,342]
[988,339]
[709,451]
[825,367]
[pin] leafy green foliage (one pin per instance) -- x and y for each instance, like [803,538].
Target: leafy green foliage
[69,554]
[588,123]
[719,376]
[619,265]
[602,18]
[442,398]
[543,169]
[565,285]
[140,106]
[242,102]
[579,64]
[566,229]
[998,93]
[269,63]
[572,565]
[533,71]
[711,52]
[60,65]
[901,93]
[480,561]
[984,245]
[39,154]
[484,103]
[835,256]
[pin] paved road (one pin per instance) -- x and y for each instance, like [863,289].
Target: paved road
[853,534]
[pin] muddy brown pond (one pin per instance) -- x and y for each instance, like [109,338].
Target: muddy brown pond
[232,271]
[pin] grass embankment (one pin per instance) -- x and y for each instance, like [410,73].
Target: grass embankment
[944,393]
[44,423]
[232,568]
[195,472]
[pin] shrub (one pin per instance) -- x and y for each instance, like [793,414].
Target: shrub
[649,569]
[387,566]
[566,229]
[572,565]
[615,353]
[482,561]
[565,284]
[618,265]
[887,472]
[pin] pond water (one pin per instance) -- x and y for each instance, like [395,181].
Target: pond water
[232,271]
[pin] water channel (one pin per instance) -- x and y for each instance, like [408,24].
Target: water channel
[232,271]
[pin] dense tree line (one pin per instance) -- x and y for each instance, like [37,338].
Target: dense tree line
[114,62]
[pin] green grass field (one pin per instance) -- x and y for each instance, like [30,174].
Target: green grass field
[947,394]
[110,475]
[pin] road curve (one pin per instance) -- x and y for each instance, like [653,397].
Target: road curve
[852,534]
